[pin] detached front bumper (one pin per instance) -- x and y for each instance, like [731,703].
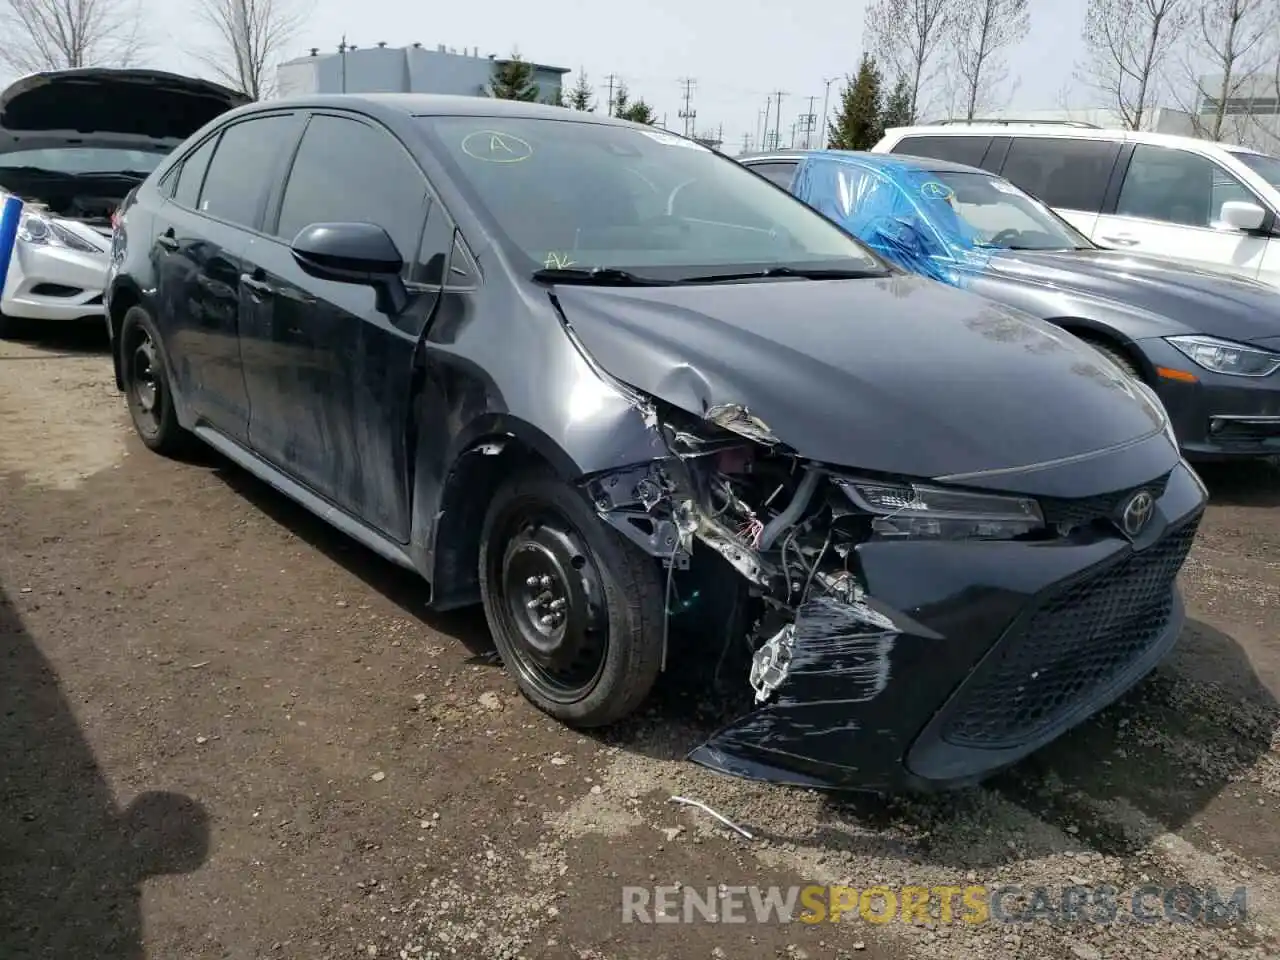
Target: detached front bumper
[970,655]
[1216,416]
[53,283]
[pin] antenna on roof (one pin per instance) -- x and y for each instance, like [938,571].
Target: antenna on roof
[381,44]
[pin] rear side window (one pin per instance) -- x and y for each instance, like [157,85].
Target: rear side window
[191,176]
[242,167]
[349,172]
[779,173]
[968,150]
[1062,172]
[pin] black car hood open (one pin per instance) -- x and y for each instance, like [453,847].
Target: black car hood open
[1205,300]
[150,107]
[902,375]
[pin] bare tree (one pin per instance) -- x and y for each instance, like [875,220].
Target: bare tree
[251,36]
[66,34]
[1225,59]
[1128,43]
[980,32]
[906,36]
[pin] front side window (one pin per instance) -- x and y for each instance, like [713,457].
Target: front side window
[1263,165]
[966,150]
[1003,216]
[242,167]
[347,171]
[569,193]
[1063,172]
[1177,187]
[781,173]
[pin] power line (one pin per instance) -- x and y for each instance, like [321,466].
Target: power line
[688,114]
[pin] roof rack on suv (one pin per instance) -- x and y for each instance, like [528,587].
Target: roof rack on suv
[1007,121]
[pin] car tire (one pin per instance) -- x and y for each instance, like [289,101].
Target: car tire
[1116,356]
[11,328]
[148,387]
[575,609]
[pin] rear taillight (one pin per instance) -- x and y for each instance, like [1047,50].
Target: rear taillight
[115,219]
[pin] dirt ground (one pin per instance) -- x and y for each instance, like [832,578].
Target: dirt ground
[228,732]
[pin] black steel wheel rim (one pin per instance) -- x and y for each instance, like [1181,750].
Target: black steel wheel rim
[146,390]
[551,603]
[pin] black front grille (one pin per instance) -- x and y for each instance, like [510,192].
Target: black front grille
[1105,506]
[1070,648]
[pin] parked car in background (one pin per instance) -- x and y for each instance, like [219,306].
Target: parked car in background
[1207,342]
[593,376]
[1195,200]
[72,144]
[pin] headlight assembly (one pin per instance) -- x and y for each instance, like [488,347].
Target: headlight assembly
[1227,356]
[917,511]
[45,232]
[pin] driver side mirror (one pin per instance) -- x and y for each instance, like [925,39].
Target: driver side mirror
[1242,215]
[360,253]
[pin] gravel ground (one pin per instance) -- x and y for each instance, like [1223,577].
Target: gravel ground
[227,732]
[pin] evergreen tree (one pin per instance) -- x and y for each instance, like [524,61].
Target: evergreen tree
[857,124]
[897,106]
[581,95]
[513,80]
[624,109]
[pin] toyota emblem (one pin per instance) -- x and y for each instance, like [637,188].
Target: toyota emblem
[1137,512]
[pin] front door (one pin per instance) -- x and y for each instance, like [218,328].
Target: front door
[330,377]
[1169,206]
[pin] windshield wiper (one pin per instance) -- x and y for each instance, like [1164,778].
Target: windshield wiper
[804,273]
[604,276]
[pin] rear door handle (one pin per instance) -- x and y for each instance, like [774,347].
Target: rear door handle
[1121,241]
[260,287]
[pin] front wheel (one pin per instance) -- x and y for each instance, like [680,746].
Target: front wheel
[575,609]
[1117,356]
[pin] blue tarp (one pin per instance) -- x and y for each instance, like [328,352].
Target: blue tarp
[903,213]
[10,218]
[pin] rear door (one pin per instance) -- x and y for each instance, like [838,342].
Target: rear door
[330,377]
[1070,174]
[1169,204]
[216,197]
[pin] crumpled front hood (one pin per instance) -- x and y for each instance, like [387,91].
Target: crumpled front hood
[902,375]
[1201,299]
[52,109]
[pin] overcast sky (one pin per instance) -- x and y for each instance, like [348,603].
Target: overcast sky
[737,50]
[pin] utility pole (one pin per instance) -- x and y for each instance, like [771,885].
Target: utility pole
[825,98]
[768,105]
[777,120]
[688,115]
[809,122]
[759,141]
[746,143]
[608,110]
[342,54]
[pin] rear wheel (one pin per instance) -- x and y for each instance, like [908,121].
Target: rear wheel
[147,386]
[575,609]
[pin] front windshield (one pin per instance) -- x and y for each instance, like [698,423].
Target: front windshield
[1005,217]
[83,160]
[1264,166]
[579,195]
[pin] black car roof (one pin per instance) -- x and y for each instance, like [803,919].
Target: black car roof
[432,104]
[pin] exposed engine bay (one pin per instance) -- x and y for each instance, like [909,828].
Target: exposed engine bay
[90,199]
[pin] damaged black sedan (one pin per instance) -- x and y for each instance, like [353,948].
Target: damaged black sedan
[584,372]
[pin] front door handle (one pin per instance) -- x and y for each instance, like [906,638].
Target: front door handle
[260,287]
[168,240]
[1121,241]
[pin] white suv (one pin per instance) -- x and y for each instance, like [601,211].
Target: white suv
[1193,200]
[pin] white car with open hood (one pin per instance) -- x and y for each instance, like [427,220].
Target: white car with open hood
[73,143]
